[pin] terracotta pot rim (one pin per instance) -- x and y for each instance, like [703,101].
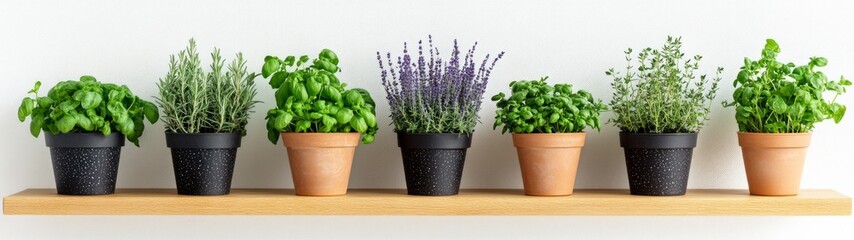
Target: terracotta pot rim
[320,134]
[773,134]
[549,140]
[320,140]
[659,134]
[774,140]
[550,134]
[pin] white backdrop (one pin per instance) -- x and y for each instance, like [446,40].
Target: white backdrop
[129,42]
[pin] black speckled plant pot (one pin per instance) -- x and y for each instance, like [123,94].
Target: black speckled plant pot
[85,163]
[203,162]
[433,162]
[658,163]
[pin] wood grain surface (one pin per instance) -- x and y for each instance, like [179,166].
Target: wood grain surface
[396,202]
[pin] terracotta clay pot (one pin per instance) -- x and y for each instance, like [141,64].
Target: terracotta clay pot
[774,161]
[549,161]
[321,162]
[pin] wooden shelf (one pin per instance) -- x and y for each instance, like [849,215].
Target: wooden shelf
[396,202]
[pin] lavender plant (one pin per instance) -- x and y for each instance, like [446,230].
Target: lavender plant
[430,95]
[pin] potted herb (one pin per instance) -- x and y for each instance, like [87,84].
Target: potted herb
[548,125]
[85,124]
[777,105]
[434,106]
[205,116]
[320,121]
[660,107]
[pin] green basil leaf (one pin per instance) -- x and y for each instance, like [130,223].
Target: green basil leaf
[358,124]
[66,123]
[36,124]
[328,123]
[838,112]
[331,94]
[300,93]
[302,59]
[818,61]
[90,100]
[271,65]
[106,130]
[282,121]
[282,95]
[36,87]
[45,102]
[26,108]
[289,61]
[369,117]
[273,136]
[303,126]
[315,115]
[68,105]
[778,105]
[344,115]
[150,111]
[87,79]
[353,98]
[312,86]
[84,122]
[126,128]
[366,96]
[278,78]
[330,56]
[368,139]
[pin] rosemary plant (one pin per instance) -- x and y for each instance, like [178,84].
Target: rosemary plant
[663,95]
[197,102]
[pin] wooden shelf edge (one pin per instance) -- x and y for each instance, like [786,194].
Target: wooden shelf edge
[584,202]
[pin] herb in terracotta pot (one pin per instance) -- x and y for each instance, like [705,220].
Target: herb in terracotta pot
[777,105]
[434,108]
[548,125]
[319,119]
[205,115]
[660,107]
[85,124]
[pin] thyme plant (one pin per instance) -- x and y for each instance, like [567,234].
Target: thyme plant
[193,101]
[663,94]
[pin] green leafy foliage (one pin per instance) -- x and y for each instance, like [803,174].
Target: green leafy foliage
[663,95]
[535,107]
[777,97]
[312,99]
[87,106]
[195,101]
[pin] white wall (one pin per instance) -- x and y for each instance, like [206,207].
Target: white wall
[129,42]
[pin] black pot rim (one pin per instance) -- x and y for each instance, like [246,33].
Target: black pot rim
[84,140]
[658,140]
[203,140]
[434,140]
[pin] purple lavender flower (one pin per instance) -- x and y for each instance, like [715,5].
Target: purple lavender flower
[429,95]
